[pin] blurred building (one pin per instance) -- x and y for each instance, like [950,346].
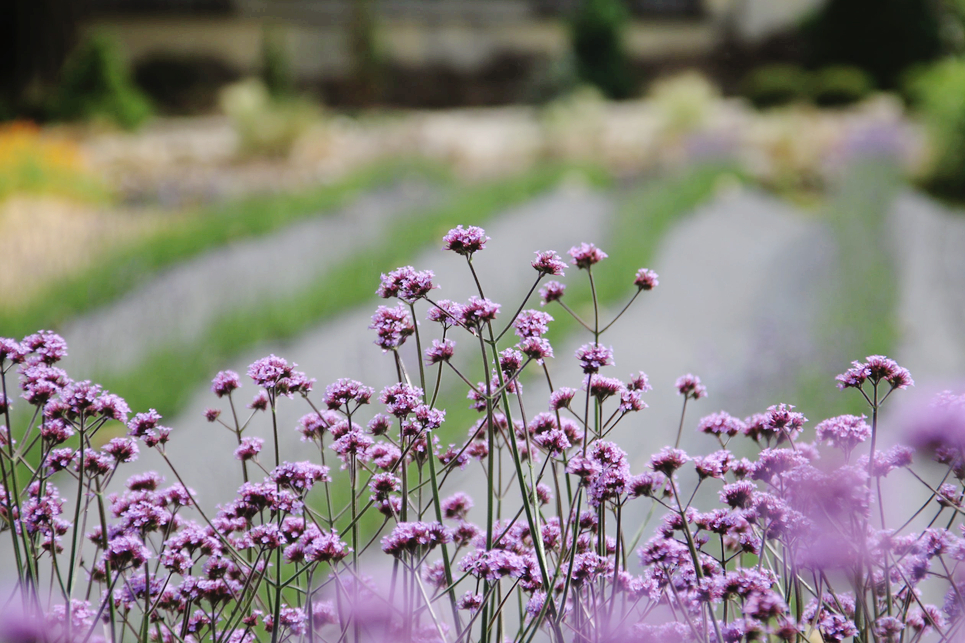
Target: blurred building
[455,38]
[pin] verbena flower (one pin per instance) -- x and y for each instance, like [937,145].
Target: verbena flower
[585,255]
[549,263]
[646,279]
[411,537]
[392,325]
[552,291]
[225,382]
[593,357]
[465,241]
[689,386]
[532,323]
[440,351]
[406,283]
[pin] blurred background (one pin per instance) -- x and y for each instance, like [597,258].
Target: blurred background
[186,185]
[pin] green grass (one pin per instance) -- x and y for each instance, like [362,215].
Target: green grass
[189,235]
[166,379]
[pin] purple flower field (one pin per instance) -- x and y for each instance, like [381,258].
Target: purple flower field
[779,528]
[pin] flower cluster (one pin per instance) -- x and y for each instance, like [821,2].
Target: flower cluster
[776,531]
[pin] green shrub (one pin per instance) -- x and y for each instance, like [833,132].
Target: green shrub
[95,84]
[596,34]
[939,94]
[774,85]
[840,85]
[882,37]
[266,125]
[276,65]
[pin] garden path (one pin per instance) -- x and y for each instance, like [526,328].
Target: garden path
[739,278]
[180,303]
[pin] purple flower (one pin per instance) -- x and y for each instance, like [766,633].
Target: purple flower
[401,399]
[448,313]
[689,386]
[260,401]
[536,348]
[738,495]
[382,484]
[249,448]
[783,422]
[493,564]
[510,361]
[478,311]
[876,368]
[343,391]
[57,460]
[714,465]
[843,432]
[212,415]
[353,443]
[412,537]
[549,263]
[532,323]
[593,357]
[300,476]
[721,424]
[646,279]
[465,241]
[602,387]
[457,506]
[314,425]
[392,325]
[44,346]
[938,426]
[668,460]
[642,485]
[10,349]
[406,283]
[470,601]
[440,351]
[552,291]
[379,424]
[561,398]
[126,550]
[585,255]
[122,449]
[147,481]
[323,547]
[224,383]
[273,373]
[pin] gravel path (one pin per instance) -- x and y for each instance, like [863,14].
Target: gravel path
[179,304]
[931,308]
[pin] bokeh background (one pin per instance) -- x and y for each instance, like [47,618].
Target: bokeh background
[186,185]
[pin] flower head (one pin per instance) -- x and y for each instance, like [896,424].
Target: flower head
[343,391]
[552,291]
[689,386]
[549,263]
[593,357]
[465,241]
[440,351]
[479,310]
[224,383]
[585,255]
[406,283]
[646,279]
[392,325]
